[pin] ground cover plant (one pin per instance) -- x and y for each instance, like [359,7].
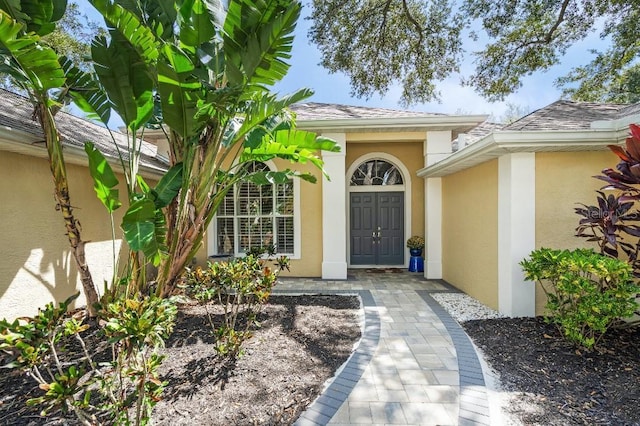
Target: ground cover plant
[301,342]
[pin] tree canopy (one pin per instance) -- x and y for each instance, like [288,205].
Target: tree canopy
[418,43]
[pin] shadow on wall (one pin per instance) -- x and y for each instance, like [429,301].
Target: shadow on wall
[36,264]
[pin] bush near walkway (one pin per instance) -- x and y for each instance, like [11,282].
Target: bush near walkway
[587,293]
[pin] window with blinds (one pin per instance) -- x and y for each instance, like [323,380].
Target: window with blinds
[256,215]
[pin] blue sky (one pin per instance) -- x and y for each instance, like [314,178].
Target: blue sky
[536,92]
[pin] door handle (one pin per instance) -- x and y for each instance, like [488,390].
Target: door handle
[373,236]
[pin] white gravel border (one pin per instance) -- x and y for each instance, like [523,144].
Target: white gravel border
[463,307]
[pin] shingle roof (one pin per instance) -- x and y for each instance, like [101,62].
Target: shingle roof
[629,110]
[322,111]
[482,130]
[16,112]
[475,134]
[569,115]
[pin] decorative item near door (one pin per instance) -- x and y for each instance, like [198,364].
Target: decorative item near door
[416,244]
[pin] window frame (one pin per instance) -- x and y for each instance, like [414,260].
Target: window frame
[212,239]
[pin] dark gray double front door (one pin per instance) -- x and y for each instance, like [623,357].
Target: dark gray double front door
[377,228]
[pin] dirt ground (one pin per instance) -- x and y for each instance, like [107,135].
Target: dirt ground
[302,341]
[554,384]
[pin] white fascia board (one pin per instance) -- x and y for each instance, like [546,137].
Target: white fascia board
[438,122]
[72,154]
[619,124]
[503,142]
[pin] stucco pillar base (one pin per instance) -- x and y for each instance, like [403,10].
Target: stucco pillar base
[432,270]
[334,270]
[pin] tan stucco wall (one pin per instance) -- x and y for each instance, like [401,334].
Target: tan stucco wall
[411,156]
[36,266]
[470,231]
[310,262]
[564,179]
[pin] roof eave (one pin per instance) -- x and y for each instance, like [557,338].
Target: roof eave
[500,143]
[438,122]
[11,142]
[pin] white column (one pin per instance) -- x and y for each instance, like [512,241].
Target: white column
[334,212]
[433,225]
[516,232]
[437,147]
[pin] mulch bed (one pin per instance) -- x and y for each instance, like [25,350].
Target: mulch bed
[302,341]
[555,384]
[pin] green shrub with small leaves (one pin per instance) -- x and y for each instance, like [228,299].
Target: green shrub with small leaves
[241,287]
[123,390]
[136,329]
[587,293]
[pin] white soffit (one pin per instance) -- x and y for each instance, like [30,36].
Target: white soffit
[499,143]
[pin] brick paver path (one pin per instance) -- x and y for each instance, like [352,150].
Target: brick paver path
[414,364]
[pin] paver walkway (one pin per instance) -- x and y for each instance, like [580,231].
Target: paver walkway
[414,364]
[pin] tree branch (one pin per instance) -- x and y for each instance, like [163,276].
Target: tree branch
[383,27]
[559,20]
[413,21]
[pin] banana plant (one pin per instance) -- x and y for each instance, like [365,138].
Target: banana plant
[208,73]
[37,69]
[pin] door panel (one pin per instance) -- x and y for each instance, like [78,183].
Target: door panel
[377,228]
[362,242]
[391,222]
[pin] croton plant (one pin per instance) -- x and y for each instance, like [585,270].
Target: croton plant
[613,223]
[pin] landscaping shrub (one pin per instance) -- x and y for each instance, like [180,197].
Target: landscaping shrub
[613,222]
[52,348]
[241,287]
[587,293]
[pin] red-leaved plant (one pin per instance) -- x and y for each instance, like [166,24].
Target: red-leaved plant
[612,224]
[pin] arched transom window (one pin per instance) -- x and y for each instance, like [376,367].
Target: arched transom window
[376,172]
[256,215]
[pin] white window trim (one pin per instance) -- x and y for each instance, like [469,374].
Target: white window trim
[406,188]
[212,231]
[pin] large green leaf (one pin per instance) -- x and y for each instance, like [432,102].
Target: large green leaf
[86,92]
[126,79]
[28,59]
[282,176]
[168,186]
[13,9]
[180,92]
[139,226]
[264,114]
[292,144]
[162,16]
[43,14]
[127,24]
[258,38]
[104,180]
[196,22]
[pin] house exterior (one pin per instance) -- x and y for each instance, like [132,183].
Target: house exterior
[482,196]
[36,264]
[374,200]
[514,190]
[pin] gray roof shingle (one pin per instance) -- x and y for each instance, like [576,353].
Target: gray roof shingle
[322,111]
[16,112]
[569,115]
